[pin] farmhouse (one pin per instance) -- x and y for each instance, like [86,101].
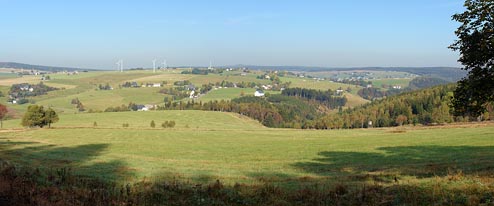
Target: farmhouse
[259,93]
[141,107]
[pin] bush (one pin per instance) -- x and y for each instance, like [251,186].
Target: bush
[168,124]
[22,101]
[153,124]
[125,125]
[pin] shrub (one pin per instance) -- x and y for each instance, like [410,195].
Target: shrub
[153,124]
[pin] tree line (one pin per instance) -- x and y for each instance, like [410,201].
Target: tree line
[327,98]
[427,106]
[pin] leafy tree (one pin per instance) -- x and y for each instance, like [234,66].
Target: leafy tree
[3,114]
[34,117]
[401,119]
[476,46]
[37,116]
[50,116]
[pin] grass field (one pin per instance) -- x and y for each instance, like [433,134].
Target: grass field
[403,82]
[226,94]
[231,148]
[321,85]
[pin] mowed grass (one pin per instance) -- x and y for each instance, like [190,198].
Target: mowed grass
[226,94]
[102,99]
[233,149]
[186,119]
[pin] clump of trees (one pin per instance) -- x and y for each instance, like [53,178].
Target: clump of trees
[327,98]
[197,71]
[37,116]
[78,104]
[121,108]
[105,87]
[374,93]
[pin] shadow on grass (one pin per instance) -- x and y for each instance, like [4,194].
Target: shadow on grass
[78,159]
[419,161]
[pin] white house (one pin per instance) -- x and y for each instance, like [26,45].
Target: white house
[157,85]
[259,93]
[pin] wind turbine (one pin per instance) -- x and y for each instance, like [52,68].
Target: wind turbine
[210,65]
[154,65]
[120,65]
[164,64]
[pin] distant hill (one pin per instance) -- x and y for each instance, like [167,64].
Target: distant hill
[451,74]
[15,65]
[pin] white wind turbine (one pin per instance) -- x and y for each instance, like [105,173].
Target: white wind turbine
[164,64]
[154,65]
[120,65]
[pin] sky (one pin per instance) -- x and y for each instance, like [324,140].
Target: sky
[329,33]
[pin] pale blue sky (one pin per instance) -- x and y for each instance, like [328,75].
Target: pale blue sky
[95,34]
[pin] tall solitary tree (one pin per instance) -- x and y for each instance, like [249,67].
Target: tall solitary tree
[50,117]
[476,46]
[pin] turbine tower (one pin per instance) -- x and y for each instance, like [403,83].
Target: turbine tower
[154,65]
[210,65]
[164,64]
[120,65]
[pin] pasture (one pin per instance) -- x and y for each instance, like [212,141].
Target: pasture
[205,146]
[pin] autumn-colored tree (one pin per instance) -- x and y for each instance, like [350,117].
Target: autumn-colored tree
[3,114]
[401,119]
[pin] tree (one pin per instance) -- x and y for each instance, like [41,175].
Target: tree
[36,116]
[3,114]
[153,124]
[401,119]
[50,117]
[476,46]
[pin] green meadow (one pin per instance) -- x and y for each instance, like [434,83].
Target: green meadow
[205,146]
